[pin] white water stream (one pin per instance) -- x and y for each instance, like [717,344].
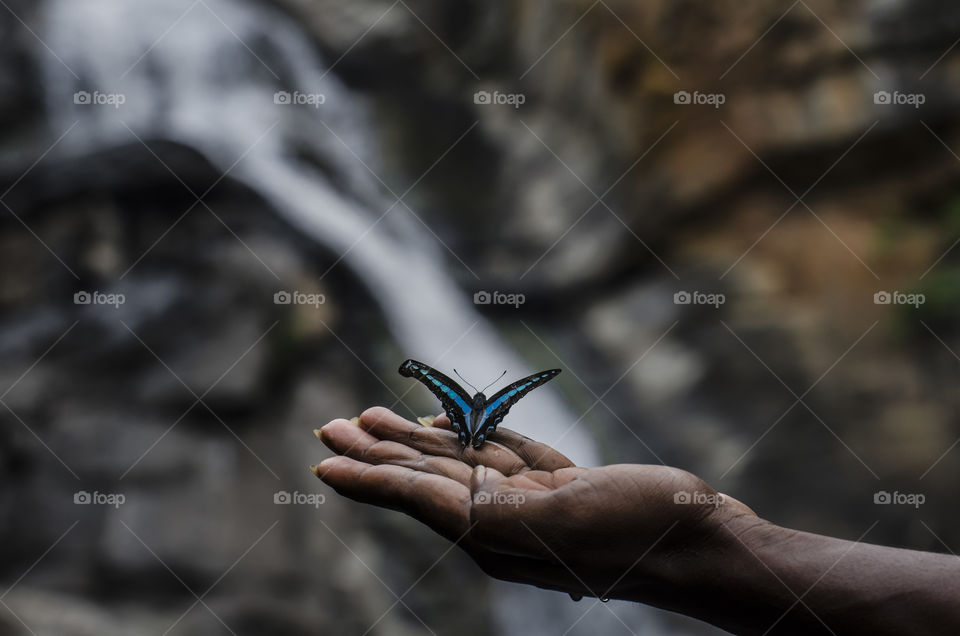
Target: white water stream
[204,74]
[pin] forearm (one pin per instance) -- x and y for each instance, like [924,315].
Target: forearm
[764,579]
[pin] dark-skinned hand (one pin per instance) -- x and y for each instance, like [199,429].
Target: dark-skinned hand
[524,512]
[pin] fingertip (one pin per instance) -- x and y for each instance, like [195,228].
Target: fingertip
[375,414]
[380,421]
[345,439]
[329,462]
[442,421]
[479,475]
[324,433]
[485,478]
[329,467]
[324,430]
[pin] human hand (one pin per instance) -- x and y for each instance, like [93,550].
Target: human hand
[526,514]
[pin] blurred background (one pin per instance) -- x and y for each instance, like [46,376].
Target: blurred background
[227,222]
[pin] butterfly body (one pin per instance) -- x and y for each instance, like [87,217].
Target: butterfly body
[473,418]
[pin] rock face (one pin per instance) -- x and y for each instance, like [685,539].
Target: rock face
[600,197]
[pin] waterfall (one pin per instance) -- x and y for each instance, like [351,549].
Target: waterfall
[198,84]
[205,74]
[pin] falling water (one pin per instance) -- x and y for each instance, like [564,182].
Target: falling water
[199,84]
[204,74]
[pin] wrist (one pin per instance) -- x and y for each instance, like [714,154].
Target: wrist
[727,576]
[749,576]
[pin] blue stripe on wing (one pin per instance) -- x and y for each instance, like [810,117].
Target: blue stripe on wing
[448,391]
[456,402]
[498,405]
[506,396]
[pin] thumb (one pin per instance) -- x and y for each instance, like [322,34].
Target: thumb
[484,484]
[505,518]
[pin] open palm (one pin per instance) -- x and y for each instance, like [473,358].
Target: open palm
[523,511]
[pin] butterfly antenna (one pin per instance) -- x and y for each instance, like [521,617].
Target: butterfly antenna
[492,383]
[467,383]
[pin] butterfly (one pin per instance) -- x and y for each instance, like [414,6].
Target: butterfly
[473,418]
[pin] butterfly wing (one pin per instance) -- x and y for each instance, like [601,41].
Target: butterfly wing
[498,405]
[455,401]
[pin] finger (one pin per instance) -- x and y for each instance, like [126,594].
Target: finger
[442,421]
[441,503]
[543,480]
[527,480]
[515,520]
[353,421]
[387,420]
[385,424]
[341,436]
[564,476]
[345,439]
[536,455]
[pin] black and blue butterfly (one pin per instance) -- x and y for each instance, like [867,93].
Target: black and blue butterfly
[473,418]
